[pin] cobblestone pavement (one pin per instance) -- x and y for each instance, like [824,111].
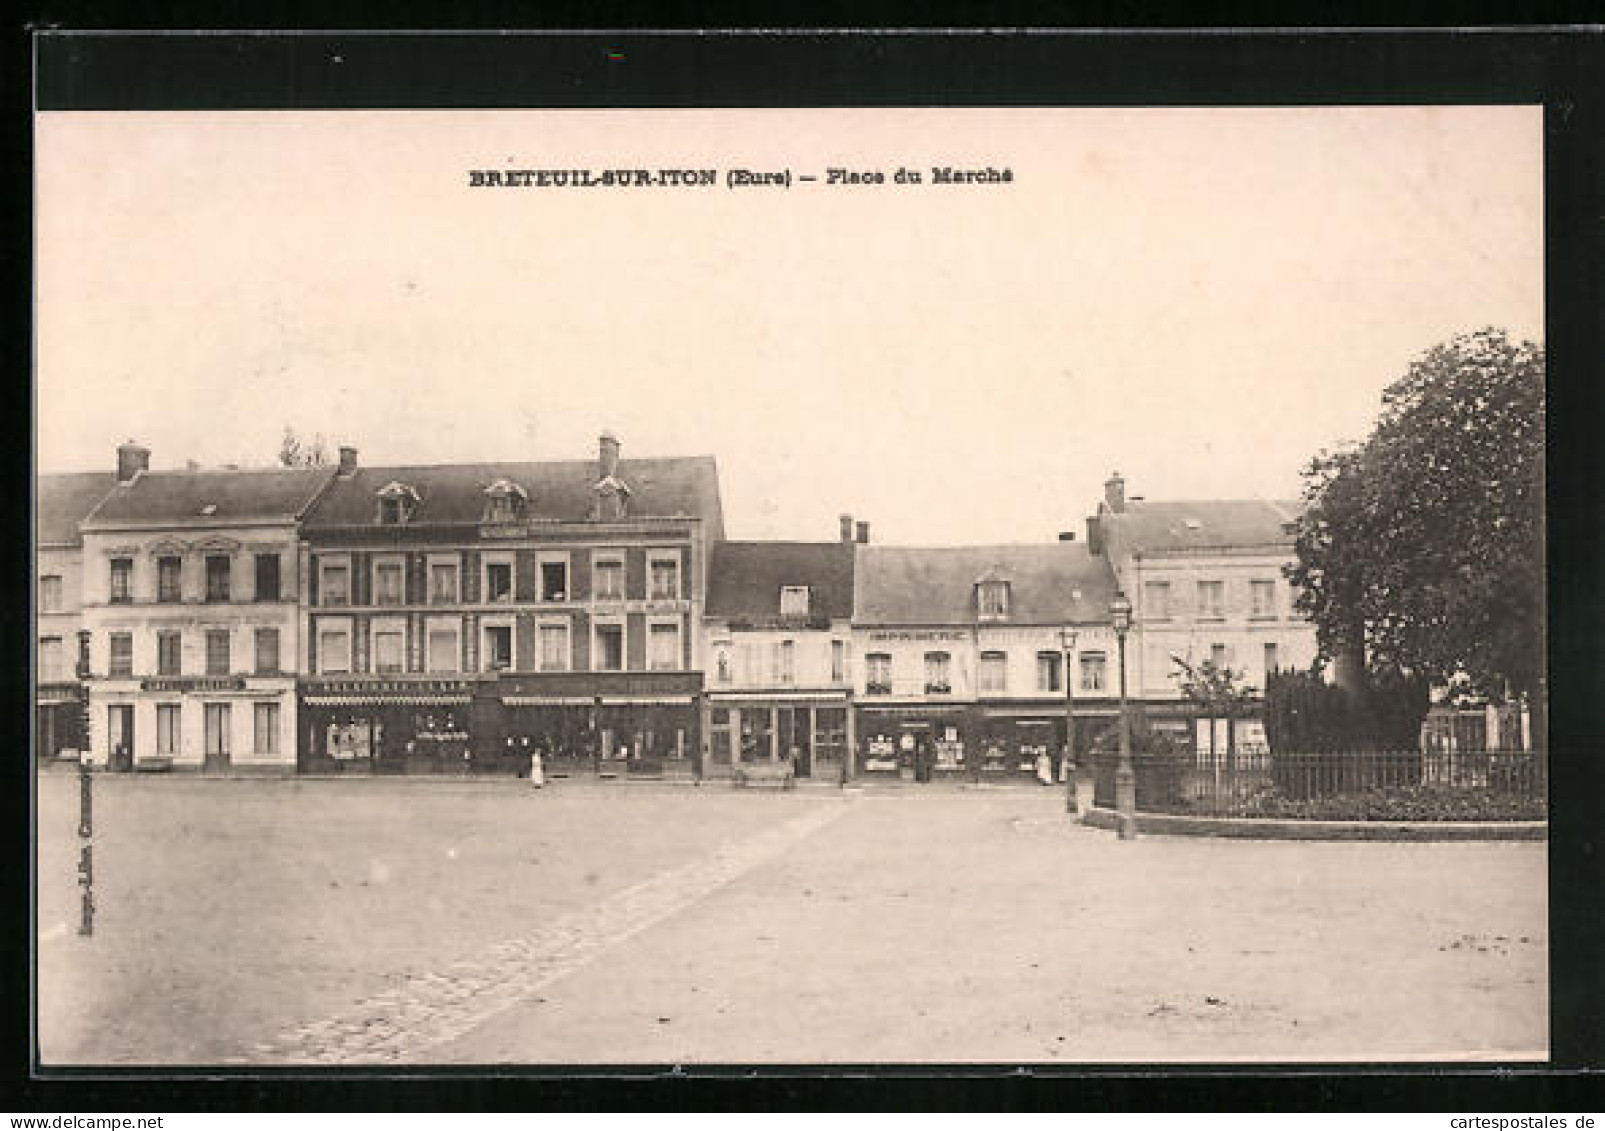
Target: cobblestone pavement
[403,1024]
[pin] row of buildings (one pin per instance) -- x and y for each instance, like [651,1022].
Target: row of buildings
[457,617]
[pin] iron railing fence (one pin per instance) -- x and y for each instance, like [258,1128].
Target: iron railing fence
[1368,784]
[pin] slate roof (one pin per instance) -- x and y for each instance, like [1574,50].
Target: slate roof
[557,489]
[745,578]
[156,498]
[906,585]
[63,500]
[1205,524]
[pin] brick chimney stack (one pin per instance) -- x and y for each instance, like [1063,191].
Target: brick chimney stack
[847,527]
[607,455]
[132,459]
[1114,493]
[863,533]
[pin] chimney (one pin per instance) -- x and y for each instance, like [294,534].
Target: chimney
[847,528]
[863,533]
[348,461]
[1114,493]
[1094,535]
[132,459]
[607,455]
[1067,535]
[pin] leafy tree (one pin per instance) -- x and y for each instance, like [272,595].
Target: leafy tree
[1424,546]
[296,452]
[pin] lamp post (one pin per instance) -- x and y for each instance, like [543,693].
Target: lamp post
[1067,637]
[1125,779]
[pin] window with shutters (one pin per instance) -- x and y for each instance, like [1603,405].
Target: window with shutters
[267,651]
[388,649]
[169,580]
[1094,671]
[267,577]
[994,673]
[608,579]
[218,572]
[554,648]
[217,651]
[120,664]
[122,580]
[169,652]
[1048,664]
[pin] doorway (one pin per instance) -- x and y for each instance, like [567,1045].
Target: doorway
[796,735]
[120,737]
[217,735]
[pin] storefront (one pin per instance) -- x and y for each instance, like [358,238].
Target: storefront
[605,723]
[59,713]
[890,736]
[810,728]
[387,726]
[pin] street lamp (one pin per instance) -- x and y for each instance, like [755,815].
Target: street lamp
[1067,638]
[1125,779]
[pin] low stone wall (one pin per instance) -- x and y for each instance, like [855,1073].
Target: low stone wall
[1167,824]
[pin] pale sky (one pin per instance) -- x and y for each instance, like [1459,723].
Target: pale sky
[1199,298]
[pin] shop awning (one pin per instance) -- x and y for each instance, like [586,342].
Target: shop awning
[735,698]
[548,700]
[386,700]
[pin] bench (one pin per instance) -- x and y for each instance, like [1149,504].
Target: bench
[782,774]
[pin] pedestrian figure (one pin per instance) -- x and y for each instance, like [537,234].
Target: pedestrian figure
[537,771]
[1044,766]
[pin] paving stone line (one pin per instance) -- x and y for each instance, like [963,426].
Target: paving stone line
[402,1022]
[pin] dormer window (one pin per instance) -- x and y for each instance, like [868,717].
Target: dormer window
[505,501]
[397,502]
[612,501]
[794,602]
[992,598]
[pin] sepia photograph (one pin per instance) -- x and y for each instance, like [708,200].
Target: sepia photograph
[842,586]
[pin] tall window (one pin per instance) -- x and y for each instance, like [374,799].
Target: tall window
[387,649]
[170,580]
[217,577]
[554,648]
[498,647]
[122,580]
[444,652]
[665,579]
[992,599]
[994,672]
[169,652]
[838,661]
[609,648]
[1210,598]
[498,581]
[50,659]
[443,583]
[217,648]
[217,730]
[1263,594]
[1048,671]
[1094,671]
[267,577]
[50,593]
[387,583]
[121,662]
[877,674]
[554,581]
[1270,658]
[1218,655]
[610,580]
[334,650]
[938,673]
[1156,599]
[794,601]
[267,651]
[665,647]
[334,584]
[267,728]
[169,734]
